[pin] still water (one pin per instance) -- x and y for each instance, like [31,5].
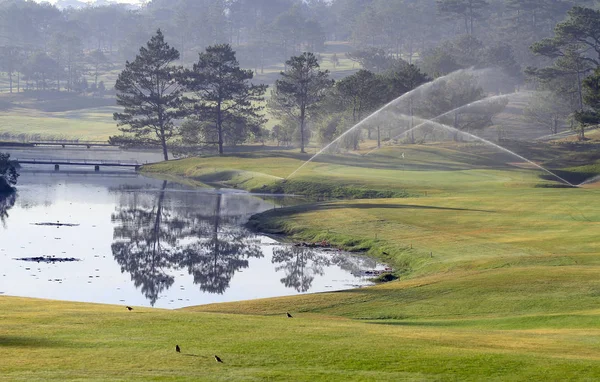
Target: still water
[146,242]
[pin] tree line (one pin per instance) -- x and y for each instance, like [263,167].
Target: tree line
[546,45]
[219,104]
[59,48]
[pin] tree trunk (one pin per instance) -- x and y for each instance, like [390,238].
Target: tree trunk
[163,143]
[220,128]
[164,147]
[378,137]
[302,118]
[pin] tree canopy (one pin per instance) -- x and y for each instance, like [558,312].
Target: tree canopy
[150,95]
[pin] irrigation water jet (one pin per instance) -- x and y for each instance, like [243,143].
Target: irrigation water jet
[457,131]
[436,124]
[475,137]
[458,109]
[594,179]
[413,92]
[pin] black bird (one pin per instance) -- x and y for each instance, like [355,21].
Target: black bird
[218,359]
[385,253]
[289,315]
[177,349]
[129,308]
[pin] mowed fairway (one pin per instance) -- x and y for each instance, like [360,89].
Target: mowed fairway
[44,340]
[498,281]
[84,125]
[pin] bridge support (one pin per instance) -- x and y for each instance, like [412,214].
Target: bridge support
[56,167]
[96,168]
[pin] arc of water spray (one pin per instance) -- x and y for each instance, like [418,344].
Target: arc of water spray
[399,99]
[455,130]
[426,121]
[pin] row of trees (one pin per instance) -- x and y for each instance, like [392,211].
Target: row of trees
[266,31]
[218,96]
[569,82]
[218,101]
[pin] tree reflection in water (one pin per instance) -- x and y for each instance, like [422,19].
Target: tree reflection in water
[171,231]
[300,264]
[217,250]
[7,201]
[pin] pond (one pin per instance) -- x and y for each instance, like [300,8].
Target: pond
[121,238]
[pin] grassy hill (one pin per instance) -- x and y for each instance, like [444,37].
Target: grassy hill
[498,281]
[52,115]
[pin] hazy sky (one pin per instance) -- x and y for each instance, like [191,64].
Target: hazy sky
[85,1]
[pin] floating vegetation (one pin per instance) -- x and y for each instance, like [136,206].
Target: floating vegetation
[57,224]
[49,259]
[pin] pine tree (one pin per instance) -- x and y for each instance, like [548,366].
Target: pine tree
[151,97]
[224,95]
[468,10]
[591,86]
[300,90]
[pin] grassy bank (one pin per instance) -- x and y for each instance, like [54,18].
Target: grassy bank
[498,281]
[46,340]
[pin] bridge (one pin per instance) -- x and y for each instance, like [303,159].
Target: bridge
[88,144]
[79,162]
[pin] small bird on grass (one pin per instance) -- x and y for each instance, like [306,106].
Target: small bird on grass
[177,349]
[218,359]
[289,315]
[129,308]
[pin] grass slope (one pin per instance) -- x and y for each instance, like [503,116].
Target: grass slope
[498,281]
[46,340]
[52,115]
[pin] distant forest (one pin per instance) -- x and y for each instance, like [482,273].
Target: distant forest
[41,42]
[552,46]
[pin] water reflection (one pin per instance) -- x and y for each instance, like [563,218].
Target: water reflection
[6,203]
[147,242]
[300,265]
[158,232]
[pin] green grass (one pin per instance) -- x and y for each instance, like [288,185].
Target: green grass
[57,115]
[498,280]
[91,127]
[46,340]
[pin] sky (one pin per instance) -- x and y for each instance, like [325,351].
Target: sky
[85,1]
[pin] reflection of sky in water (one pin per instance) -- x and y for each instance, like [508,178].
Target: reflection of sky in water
[119,219]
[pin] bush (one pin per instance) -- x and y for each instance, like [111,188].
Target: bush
[8,174]
[385,278]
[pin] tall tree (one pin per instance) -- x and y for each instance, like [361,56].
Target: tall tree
[98,62]
[575,51]
[549,109]
[591,116]
[361,93]
[150,95]
[300,90]
[11,59]
[223,91]
[468,10]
